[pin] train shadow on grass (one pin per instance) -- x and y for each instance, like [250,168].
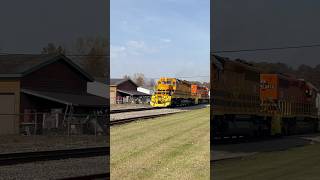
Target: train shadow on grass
[193,107]
[253,145]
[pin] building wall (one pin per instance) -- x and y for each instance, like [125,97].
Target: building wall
[8,88]
[318,104]
[127,86]
[113,94]
[56,77]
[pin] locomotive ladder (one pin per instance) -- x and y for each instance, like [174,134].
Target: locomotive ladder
[271,108]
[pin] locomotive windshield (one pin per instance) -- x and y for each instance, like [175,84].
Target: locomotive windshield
[166,82]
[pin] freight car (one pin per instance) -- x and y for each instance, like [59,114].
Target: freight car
[170,92]
[247,101]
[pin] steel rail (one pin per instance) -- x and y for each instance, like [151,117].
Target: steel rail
[89,177]
[132,119]
[27,157]
[131,110]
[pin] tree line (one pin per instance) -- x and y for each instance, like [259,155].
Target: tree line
[141,80]
[308,73]
[94,51]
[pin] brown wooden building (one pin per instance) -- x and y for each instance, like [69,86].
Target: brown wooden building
[40,83]
[124,91]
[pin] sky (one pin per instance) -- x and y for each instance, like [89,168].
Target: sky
[160,38]
[250,24]
[28,26]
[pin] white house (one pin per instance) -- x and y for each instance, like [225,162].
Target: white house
[145,90]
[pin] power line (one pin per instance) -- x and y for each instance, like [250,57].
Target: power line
[267,49]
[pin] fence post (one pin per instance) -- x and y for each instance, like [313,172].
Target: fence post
[35,130]
[35,124]
[95,128]
[68,126]
[43,123]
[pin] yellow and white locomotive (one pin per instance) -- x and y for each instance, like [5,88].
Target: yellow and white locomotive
[176,92]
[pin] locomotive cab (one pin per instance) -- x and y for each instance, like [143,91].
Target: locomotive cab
[164,90]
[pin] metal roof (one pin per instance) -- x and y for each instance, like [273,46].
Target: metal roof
[84,100]
[21,65]
[221,61]
[118,81]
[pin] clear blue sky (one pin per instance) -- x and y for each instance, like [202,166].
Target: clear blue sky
[160,38]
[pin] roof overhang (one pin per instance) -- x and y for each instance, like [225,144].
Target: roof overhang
[122,81]
[133,93]
[86,100]
[10,75]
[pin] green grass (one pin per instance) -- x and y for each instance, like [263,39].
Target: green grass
[169,147]
[294,164]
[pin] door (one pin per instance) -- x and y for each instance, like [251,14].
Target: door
[7,110]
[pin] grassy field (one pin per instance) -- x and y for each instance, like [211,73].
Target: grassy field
[169,147]
[297,163]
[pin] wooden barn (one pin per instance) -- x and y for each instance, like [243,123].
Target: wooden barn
[41,84]
[124,91]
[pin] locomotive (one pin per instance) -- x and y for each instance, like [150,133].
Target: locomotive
[170,92]
[247,101]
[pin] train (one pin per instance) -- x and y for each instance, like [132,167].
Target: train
[172,92]
[250,102]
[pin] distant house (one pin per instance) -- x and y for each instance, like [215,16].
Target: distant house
[125,91]
[42,84]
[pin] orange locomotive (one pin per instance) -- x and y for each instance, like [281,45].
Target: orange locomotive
[246,101]
[295,100]
[200,93]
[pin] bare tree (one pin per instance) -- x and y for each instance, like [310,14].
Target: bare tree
[51,48]
[93,54]
[152,83]
[96,60]
[126,77]
[139,79]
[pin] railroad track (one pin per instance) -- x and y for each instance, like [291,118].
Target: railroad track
[228,158]
[131,119]
[146,108]
[27,157]
[87,177]
[131,110]
[151,116]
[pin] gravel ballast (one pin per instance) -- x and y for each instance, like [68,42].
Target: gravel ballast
[125,115]
[56,169]
[16,143]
